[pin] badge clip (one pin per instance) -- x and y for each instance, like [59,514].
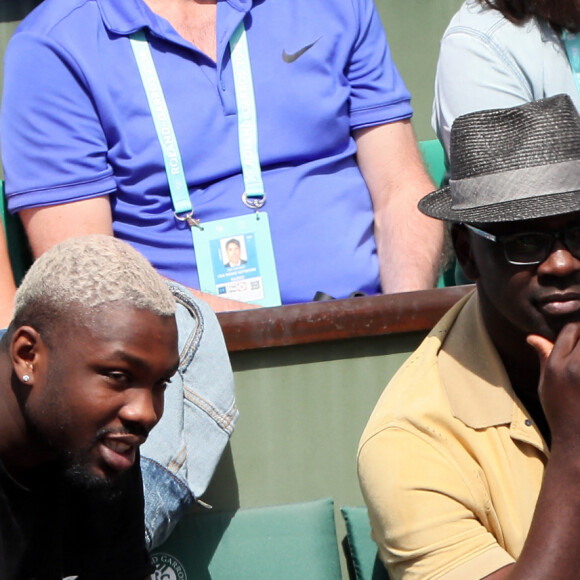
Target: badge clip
[191,221]
[254,203]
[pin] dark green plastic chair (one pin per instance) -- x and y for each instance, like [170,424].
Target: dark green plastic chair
[433,156]
[434,159]
[360,550]
[285,542]
[20,255]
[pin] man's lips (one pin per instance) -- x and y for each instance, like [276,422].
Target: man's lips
[119,452]
[559,304]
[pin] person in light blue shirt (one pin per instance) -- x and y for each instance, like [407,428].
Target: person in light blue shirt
[339,160]
[502,53]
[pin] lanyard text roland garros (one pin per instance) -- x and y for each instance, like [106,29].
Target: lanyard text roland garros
[235,256]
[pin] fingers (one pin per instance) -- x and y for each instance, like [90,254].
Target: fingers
[559,384]
[542,345]
[566,344]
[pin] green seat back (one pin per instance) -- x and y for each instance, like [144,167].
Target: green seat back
[286,542]
[362,551]
[20,255]
[433,156]
[434,159]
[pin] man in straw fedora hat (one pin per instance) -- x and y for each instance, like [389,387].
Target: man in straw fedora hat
[470,462]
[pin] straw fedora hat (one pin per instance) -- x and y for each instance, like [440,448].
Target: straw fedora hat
[512,164]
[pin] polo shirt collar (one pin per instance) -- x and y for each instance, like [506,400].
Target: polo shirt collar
[127,16]
[475,381]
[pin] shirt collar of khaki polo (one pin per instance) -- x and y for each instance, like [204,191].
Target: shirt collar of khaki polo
[475,381]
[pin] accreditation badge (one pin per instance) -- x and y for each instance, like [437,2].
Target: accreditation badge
[235,259]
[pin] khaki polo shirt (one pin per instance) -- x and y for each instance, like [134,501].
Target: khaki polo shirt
[450,462]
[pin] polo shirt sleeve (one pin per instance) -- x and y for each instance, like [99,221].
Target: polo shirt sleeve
[423,508]
[378,93]
[53,146]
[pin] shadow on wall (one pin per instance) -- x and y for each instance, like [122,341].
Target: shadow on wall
[14,10]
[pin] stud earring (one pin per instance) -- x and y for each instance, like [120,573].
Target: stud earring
[25,378]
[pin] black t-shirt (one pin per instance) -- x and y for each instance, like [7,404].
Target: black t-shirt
[54,530]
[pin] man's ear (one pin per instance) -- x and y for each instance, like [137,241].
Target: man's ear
[26,350]
[462,245]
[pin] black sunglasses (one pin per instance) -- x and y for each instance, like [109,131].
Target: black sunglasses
[528,248]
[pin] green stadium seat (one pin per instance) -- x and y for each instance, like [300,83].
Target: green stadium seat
[360,550]
[434,159]
[20,255]
[285,542]
[433,156]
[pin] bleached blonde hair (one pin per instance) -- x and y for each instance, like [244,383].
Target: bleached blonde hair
[90,272]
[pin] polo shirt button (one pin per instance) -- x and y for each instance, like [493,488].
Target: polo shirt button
[528,422]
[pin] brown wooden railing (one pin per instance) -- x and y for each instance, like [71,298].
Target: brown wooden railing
[337,319]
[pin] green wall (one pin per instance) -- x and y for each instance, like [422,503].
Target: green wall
[414,28]
[302,412]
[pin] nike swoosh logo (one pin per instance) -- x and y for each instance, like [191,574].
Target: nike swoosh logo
[292,57]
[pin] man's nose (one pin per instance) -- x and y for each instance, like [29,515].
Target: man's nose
[143,407]
[560,262]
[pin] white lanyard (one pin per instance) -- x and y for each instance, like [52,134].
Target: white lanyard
[254,195]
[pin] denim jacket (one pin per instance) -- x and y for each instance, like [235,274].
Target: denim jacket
[182,451]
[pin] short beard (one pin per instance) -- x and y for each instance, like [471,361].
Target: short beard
[78,474]
[79,477]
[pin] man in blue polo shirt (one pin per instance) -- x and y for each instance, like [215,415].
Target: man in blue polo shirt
[84,150]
